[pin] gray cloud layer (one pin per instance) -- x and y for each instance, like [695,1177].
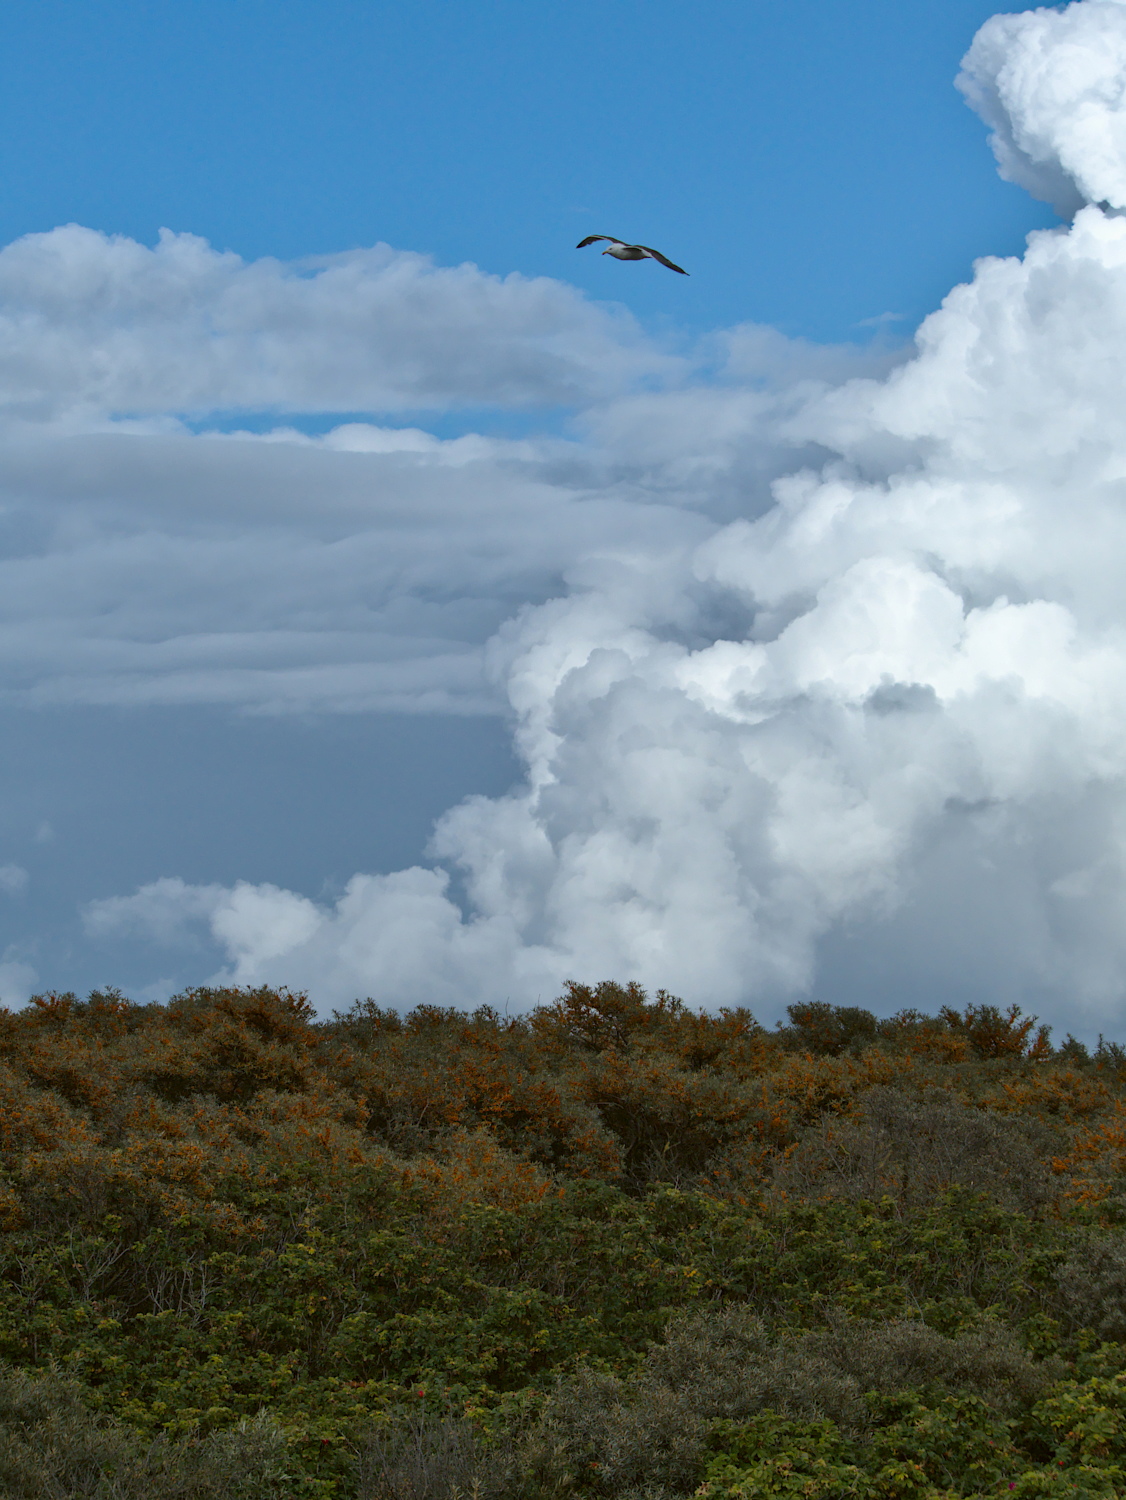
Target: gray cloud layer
[92,324]
[793,652]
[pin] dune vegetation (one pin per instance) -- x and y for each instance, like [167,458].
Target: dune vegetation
[611,1248]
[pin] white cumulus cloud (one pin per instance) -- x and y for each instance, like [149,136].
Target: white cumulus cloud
[1051,83]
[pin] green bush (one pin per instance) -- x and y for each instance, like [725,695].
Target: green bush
[828,1030]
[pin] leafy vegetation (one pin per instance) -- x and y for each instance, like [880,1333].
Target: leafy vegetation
[613,1248]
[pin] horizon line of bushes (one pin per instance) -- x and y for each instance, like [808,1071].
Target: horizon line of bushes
[613,1249]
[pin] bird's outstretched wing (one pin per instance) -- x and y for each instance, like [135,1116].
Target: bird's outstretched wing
[590,239]
[656,254]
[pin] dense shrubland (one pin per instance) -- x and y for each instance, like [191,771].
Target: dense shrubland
[612,1248]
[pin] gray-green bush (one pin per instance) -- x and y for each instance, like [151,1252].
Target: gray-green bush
[1092,1287]
[427,1457]
[910,1149]
[53,1448]
[649,1430]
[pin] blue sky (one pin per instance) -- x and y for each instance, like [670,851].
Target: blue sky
[812,166]
[809,163]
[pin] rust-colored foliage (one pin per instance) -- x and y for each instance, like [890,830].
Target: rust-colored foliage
[605,1083]
[993,1033]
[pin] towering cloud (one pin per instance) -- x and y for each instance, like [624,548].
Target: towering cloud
[830,688]
[1050,83]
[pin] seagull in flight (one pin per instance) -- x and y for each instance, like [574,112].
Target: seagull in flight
[621,251]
